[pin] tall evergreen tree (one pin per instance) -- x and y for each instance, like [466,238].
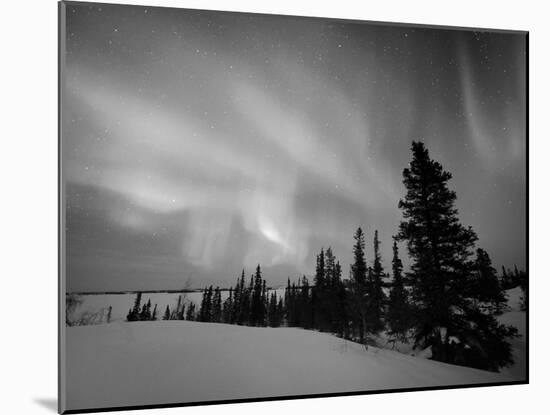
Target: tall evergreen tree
[273,316]
[148,310]
[441,249]
[290,305]
[304,304]
[320,292]
[179,312]
[109,313]
[216,306]
[190,314]
[340,298]
[375,295]
[227,309]
[166,314]
[256,306]
[205,312]
[398,316]
[280,311]
[239,301]
[358,278]
[320,270]
[143,313]
[134,313]
[137,304]
[176,313]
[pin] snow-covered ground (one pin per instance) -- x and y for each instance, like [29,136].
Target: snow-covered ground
[141,363]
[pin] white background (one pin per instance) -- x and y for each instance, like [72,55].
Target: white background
[28,228]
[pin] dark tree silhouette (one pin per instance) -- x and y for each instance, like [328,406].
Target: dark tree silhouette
[109,313]
[484,284]
[441,248]
[227,308]
[166,313]
[134,313]
[190,315]
[358,274]
[375,295]
[398,316]
[205,313]
[216,306]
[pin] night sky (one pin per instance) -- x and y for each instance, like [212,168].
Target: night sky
[197,143]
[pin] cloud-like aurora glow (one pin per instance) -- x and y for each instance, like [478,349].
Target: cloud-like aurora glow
[199,143]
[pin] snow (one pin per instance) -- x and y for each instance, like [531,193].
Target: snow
[141,363]
[144,363]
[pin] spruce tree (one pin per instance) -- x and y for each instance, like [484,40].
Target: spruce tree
[305,305]
[256,306]
[290,312]
[227,308]
[320,292]
[217,306]
[129,316]
[137,303]
[166,313]
[398,316]
[320,269]
[246,301]
[280,311]
[145,314]
[441,249]
[190,315]
[358,274]
[133,315]
[340,300]
[177,311]
[328,295]
[272,312]
[239,301]
[205,312]
[374,293]
[208,305]
[264,303]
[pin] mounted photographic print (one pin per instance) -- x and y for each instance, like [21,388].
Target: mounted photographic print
[257,207]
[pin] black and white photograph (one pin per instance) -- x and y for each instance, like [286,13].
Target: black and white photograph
[258,207]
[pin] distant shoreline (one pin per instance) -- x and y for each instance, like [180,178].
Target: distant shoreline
[139,291]
[184,291]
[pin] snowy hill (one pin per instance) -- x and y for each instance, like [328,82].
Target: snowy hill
[179,361]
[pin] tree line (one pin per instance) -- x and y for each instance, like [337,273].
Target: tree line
[448,301]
